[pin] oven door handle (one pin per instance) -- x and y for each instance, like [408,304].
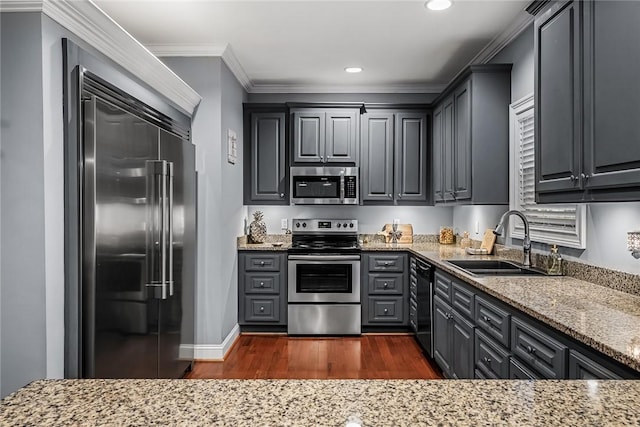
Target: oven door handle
[324,257]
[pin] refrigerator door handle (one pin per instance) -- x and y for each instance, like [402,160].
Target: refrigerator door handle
[157,170]
[170,226]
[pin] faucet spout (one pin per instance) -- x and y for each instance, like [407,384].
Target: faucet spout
[526,243]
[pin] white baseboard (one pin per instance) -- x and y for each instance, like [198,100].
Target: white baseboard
[215,351]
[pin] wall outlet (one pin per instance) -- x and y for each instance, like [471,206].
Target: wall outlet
[283,223]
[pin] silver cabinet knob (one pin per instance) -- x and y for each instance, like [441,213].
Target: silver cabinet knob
[390,196]
[261,308]
[399,196]
[261,263]
[386,285]
[486,360]
[486,319]
[585,176]
[530,349]
[282,195]
[386,310]
[262,284]
[573,178]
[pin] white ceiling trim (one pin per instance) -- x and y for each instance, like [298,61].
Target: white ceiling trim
[92,25]
[522,21]
[224,51]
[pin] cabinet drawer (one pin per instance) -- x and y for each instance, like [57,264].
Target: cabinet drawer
[262,283]
[491,359]
[262,262]
[262,308]
[390,262]
[385,283]
[518,372]
[462,299]
[538,350]
[583,368]
[493,320]
[442,287]
[386,310]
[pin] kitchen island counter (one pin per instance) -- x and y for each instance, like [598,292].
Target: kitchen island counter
[323,402]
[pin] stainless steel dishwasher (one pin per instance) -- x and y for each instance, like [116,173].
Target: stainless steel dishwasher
[420,315]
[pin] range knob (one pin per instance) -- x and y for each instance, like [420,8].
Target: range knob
[339,225]
[304,225]
[297,225]
[344,225]
[351,225]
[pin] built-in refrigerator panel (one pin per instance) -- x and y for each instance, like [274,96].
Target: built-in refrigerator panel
[138,246]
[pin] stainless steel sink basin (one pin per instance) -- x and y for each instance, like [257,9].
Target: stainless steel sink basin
[482,267]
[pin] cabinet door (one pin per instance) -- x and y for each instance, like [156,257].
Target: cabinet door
[441,335]
[438,147]
[342,137]
[377,157]
[411,157]
[462,142]
[448,150]
[582,367]
[308,136]
[612,94]
[267,172]
[462,345]
[558,98]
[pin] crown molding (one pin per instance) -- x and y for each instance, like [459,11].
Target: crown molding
[96,28]
[522,21]
[314,88]
[224,51]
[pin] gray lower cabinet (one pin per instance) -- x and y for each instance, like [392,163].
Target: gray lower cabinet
[262,288]
[582,367]
[586,89]
[325,135]
[453,331]
[477,336]
[471,137]
[395,157]
[385,289]
[265,161]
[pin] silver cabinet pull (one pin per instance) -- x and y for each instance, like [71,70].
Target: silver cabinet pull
[399,196]
[573,177]
[585,176]
[282,195]
[486,360]
[390,196]
[486,319]
[170,226]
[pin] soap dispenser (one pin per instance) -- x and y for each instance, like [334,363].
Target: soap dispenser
[554,262]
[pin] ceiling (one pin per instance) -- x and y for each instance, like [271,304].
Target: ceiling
[304,45]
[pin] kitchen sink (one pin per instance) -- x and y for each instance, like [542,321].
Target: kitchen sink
[491,267]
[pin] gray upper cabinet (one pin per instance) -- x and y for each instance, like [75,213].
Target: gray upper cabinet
[471,137]
[587,65]
[395,154]
[265,164]
[325,135]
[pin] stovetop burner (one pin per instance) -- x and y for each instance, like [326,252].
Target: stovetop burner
[320,235]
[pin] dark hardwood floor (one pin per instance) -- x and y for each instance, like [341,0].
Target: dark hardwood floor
[280,356]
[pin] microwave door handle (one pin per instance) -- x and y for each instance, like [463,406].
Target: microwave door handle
[341,187]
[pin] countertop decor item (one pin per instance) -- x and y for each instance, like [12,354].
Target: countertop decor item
[633,243]
[554,262]
[405,230]
[465,242]
[446,235]
[257,228]
[488,241]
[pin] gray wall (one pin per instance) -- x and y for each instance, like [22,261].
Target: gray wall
[220,209]
[607,223]
[22,270]
[425,219]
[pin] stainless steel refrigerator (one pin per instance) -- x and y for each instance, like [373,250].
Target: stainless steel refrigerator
[138,231]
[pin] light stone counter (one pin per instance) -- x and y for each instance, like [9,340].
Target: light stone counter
[600,317]
[323,403]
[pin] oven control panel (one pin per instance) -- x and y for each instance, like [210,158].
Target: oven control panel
[325,225]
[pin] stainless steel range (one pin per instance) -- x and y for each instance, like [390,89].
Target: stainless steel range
[324,278]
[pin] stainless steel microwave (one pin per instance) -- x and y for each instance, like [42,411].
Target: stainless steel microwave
[324,185]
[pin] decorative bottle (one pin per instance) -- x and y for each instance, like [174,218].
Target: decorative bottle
[257,228]
[554,262]
[466,241]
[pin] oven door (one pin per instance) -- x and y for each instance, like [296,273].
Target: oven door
[324,278]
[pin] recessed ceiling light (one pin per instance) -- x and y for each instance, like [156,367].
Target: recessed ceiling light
[353,69]
[438,4]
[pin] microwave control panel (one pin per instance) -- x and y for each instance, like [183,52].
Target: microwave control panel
[350,191]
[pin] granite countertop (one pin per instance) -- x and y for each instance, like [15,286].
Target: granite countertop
[602,318]
[323,402]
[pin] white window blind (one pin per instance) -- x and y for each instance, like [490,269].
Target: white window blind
[562,224]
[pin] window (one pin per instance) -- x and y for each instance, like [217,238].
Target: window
[561,224]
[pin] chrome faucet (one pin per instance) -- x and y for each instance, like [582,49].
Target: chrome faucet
[526,243]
